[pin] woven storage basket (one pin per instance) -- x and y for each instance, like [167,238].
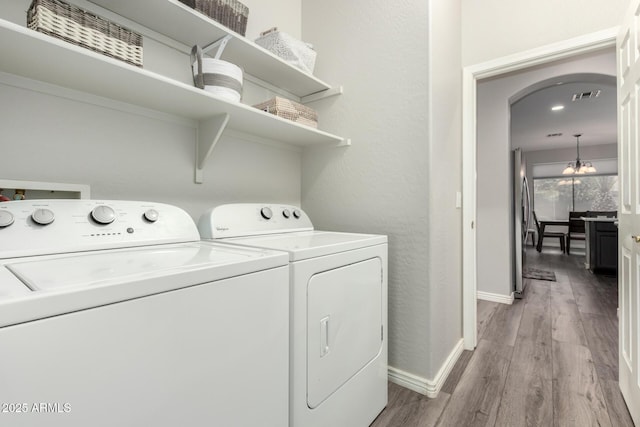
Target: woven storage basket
[290,110]
[295,52]
[230,13]
[82,28]
[219,77]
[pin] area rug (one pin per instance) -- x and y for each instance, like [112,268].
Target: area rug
[537,274]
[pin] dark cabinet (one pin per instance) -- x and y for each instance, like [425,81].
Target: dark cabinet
[603,251]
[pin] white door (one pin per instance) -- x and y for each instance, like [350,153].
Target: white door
[344,321]
[628,53]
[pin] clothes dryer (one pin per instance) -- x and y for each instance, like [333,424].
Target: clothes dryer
[338,331]
[114,313]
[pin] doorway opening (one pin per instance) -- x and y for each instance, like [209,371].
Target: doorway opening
[471,77]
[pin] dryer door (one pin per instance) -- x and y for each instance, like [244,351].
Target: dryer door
[344,325]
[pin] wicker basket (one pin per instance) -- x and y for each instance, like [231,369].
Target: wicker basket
[82,28]
[290,110]
[230,13]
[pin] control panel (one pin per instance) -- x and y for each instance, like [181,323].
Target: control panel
[251,219]
[38,227]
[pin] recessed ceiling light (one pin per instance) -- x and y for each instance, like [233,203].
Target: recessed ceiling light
[557,108]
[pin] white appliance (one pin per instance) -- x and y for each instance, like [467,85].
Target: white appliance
[338,333]
[114,313]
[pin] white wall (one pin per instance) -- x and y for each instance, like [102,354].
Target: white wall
[399,64]
[132,156]
[126,152]
[284,14]
[496,28]
[493,163]
[445,179]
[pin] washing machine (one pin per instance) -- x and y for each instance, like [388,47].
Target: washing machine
[114,313]
[338,330]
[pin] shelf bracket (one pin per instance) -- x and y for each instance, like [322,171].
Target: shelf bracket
[322,95]
[220,44]
[209,132]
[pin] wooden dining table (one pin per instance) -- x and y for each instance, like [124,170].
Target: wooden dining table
[543,225]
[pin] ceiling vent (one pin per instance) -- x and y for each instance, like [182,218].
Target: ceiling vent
[586,95]
[551,135]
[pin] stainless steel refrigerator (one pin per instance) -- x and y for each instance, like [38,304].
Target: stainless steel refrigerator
[522,220]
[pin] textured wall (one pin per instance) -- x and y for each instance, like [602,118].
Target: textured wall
[385,182]
[495,28]
[493,163]
[445,180]
[284,14]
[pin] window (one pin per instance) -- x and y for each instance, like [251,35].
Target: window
[554,198]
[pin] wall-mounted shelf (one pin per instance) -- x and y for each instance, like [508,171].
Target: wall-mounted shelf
[181,23]
[30,54]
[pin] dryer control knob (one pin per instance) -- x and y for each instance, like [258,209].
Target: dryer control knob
[6,219]
[296,213]
[43,216]
[151,215]
[103,214]
[266,213]
[286,213]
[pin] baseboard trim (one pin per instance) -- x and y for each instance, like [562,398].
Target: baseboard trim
[502,299]
[429,388]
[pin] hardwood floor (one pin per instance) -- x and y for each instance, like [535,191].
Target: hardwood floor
[550,359]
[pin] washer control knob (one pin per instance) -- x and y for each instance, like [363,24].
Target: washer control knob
[151,215]
[266,213]
[286,213]
[6,219]
[296,213]
[43,216]
[103,214]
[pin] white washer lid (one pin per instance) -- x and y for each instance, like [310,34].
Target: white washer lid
[71,282]
[310,244]
[103,268]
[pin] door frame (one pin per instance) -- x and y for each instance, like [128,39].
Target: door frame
[470,75]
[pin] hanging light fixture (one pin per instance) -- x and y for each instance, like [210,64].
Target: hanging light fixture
[578,167]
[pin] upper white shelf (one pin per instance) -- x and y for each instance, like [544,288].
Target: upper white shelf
[179,22]
[27,53]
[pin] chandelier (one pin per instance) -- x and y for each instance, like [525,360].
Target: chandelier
[578,167]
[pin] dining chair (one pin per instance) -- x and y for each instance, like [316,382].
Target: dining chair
[531,232]
[560,235]
[576,228]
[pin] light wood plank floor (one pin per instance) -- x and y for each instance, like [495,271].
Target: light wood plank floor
[550,359]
